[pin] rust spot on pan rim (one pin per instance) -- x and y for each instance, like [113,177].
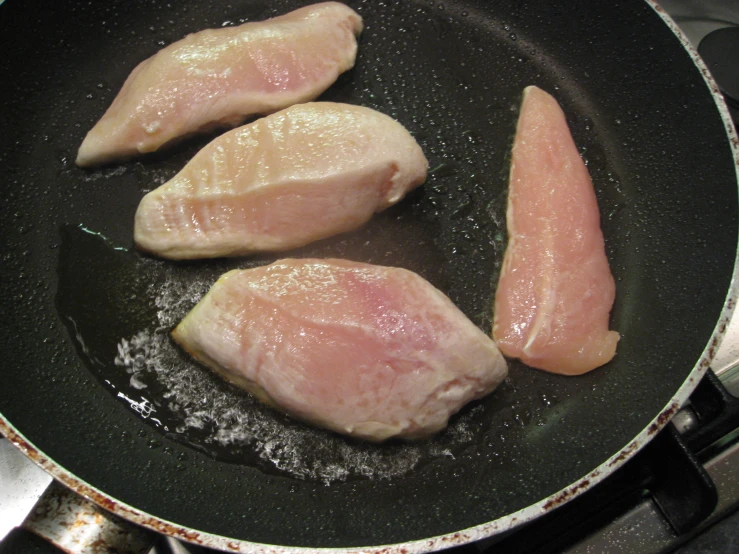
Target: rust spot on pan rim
[465,536]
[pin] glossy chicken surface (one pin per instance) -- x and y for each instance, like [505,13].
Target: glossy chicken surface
[218,77]
[556,289]
[296,176]
[369,351]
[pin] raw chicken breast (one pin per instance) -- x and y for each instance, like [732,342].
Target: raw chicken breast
[556,290]
[369,351]
[302,174]
[221,76]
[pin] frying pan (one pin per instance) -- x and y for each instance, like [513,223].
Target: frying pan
[90,385]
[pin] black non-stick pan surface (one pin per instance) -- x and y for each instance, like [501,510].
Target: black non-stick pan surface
[91,379]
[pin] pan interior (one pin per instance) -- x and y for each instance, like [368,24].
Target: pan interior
[85,315]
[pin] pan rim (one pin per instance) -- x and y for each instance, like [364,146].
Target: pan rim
[475,533]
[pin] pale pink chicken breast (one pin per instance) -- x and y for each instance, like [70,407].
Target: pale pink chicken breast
[221,76]
[556,290]
[302,174]
[369,351]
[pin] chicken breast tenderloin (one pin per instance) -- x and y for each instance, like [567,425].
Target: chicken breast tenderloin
[369,351]
[556,289]
[221,76]
[300,175]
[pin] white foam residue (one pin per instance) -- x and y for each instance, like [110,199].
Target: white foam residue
[230,419]
[104,173]
[173,300]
